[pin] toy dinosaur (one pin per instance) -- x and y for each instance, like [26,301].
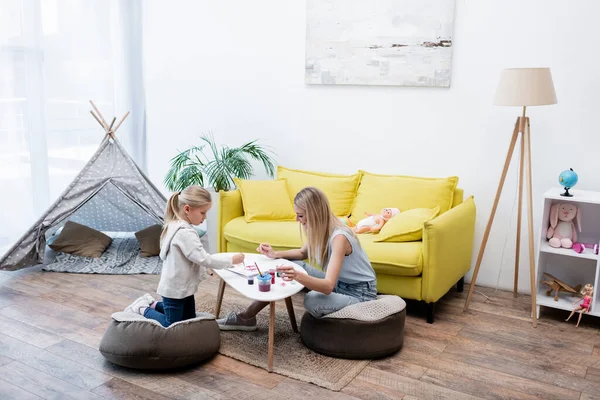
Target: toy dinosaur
[559,286]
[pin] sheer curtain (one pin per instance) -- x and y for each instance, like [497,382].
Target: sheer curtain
[55,56]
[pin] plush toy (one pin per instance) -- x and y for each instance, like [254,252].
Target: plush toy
[562,231]
[374,222]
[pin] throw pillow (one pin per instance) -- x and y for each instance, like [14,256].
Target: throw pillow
[339,189]
[265,200]
[81,240]
[149,239]
[404,192]
[407,226]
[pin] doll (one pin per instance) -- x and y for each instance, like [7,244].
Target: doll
[586,302]
[374,222]
[562,232]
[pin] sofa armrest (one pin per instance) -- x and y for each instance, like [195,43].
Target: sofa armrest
[447,249]
[230,207]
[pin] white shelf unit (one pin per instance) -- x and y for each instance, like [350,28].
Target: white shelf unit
[565,264]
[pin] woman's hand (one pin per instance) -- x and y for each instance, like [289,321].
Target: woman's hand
[267,250]
[238,259]
[287,272]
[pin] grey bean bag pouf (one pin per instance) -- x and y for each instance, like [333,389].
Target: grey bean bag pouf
[370,329]
[137,342]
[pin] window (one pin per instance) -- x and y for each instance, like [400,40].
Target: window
[55,56]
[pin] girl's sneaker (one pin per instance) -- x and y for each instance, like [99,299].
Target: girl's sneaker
[149,298]
[137,306]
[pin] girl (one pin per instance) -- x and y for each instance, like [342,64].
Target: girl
[183,258]
[348,277]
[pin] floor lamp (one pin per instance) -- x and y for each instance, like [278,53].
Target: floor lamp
[520,87]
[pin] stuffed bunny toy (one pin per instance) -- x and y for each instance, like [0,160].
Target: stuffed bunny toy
[562,232]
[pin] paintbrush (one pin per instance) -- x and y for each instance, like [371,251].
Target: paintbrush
[256,265]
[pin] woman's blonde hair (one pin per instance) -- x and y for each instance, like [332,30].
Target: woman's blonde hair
[320,223]
[194,196]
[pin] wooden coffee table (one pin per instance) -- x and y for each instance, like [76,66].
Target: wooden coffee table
[278,292]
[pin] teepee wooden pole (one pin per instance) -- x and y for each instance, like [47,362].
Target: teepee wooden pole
[112,123]
[98,119]
[120,122]
[104,124]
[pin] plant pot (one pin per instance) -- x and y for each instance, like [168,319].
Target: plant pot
[212,222]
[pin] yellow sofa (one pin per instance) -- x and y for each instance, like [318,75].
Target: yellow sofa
[422,269]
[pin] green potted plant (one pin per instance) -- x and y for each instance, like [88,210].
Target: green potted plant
[214,168]
[217,169]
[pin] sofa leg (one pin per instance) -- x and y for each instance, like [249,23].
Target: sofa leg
[460,285]
[430,311]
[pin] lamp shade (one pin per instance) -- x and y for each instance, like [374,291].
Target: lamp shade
[525,87]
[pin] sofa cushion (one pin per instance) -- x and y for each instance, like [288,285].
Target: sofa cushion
[407,226]
[404,192]
[265,200]
[402,259]
[339,189]
[285,234]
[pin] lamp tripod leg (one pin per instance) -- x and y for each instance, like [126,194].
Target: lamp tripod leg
[519,213]
[530,223]
[486,234]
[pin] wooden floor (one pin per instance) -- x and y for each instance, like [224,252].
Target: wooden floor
[51,325]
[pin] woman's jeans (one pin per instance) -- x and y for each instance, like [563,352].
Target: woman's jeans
[344,294]
[169,311]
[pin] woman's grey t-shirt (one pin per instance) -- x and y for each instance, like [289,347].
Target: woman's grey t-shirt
[356,266]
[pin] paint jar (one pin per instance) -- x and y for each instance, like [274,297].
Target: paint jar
[264,282]
[250,280]
[273,273]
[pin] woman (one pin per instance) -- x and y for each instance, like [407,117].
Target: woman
[348,277]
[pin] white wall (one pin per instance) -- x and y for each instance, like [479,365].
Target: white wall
[236,68]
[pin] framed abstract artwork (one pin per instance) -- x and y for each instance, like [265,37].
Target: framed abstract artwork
[379,42]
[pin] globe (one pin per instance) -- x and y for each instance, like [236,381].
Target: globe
[568,179]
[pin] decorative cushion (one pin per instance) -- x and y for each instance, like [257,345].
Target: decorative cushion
[136,342]
[81,240]
[404,192]
[201,229]
[339,189]
[265,200]
[370,329]
[149,240]
[407,226]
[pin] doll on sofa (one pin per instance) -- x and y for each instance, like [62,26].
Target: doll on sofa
[373,222]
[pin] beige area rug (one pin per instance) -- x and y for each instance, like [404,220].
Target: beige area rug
[291,357]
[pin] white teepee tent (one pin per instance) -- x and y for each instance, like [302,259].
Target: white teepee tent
[110,193]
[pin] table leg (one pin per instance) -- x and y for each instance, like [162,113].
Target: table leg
[290,309]
[271,334]
[220,297]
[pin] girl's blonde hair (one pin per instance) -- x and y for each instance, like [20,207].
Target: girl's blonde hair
[320,223]
[194,196]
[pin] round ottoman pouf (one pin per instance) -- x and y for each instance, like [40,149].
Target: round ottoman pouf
[370,329]
[137,342]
